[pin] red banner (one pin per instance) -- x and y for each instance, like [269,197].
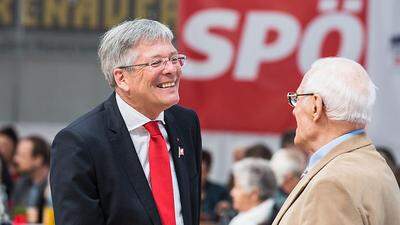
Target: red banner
[244,56]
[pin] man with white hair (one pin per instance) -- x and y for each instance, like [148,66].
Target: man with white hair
[288,165]
[134,159]
[346,180]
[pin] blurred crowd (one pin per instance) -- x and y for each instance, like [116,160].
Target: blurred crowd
[258,185]
[24,190]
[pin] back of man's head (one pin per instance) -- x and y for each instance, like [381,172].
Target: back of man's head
[8,143]
[10,132]
[40,149]
[287,162]
[206,158]
[258,151]
[347,92]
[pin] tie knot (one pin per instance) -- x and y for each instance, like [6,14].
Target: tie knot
[152,128]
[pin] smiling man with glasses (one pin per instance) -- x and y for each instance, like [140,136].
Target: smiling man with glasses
[134,159]
[346,181]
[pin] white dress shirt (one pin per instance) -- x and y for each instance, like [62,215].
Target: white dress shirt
[134,121]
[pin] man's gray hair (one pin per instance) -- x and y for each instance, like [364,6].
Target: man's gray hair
[255,173]
[345,87]
[116,45]
[286,162]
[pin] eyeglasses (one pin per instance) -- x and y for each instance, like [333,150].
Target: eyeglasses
[292,97]
[177,60]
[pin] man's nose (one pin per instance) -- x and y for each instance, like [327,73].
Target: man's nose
[169,67]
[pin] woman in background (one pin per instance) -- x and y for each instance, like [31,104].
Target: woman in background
[253,191]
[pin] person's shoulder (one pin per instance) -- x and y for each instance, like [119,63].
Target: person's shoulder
[180,110]
[88,118]
[85,125]
[359,161]
[355,168]
[23,179]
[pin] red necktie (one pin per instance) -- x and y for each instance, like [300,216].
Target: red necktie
[160,174]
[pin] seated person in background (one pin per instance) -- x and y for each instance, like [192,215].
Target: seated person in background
[288,165]
[258,151]
[238,153]
[262,151]
[32,159]
[253,191]
[253,151]
[397,175]
[211,193]
[6,183]
[287,144]
[8,143]
[386,153]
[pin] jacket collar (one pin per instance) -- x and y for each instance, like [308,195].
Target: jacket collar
[126,154]
[124,150]
[176,143]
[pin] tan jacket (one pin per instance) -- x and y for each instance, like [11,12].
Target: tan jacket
[351,185]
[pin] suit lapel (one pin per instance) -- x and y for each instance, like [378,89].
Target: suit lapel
[176,142]
[352,144]
[126,155]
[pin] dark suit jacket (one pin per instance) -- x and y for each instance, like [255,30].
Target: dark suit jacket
[96,176]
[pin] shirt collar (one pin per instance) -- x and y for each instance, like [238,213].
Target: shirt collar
[134,119]
[324,150]
[257,214]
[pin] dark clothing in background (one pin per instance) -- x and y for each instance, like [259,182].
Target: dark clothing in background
[6,179]
[28,194]
[280,197]
[214,193]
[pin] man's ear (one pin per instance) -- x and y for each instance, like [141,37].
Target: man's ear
[255,193]
[120,79]
[318,107]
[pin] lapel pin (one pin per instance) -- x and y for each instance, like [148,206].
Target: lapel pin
[181,152]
